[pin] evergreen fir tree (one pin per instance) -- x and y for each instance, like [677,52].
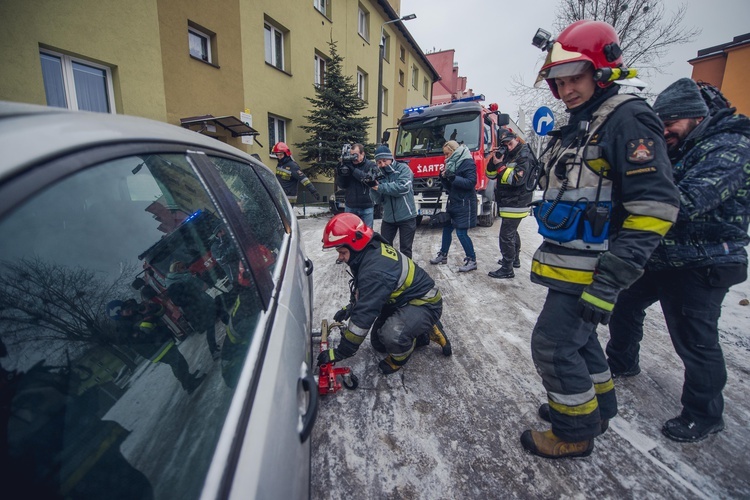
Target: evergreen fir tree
[334,119]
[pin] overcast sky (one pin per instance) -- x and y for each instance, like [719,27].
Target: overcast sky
[492,38]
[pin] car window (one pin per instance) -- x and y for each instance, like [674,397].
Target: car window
[256,205]
[124,323]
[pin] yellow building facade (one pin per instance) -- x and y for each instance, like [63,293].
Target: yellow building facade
[207,64]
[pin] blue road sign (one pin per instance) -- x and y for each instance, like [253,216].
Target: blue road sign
[544,121]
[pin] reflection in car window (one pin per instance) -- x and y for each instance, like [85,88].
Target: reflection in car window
[259,212]
[116,373]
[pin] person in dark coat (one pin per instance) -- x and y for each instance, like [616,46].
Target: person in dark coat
[459,178]
[701,256]
[352,176]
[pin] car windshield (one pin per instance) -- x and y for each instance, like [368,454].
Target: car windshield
[426,137]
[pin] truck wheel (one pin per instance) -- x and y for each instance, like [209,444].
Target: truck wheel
[350,381]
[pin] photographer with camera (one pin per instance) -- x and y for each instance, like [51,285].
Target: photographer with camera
[394,189]
[353,174]
[510,165]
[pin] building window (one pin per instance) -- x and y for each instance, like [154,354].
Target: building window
[76,84]
[363,23]
[401,77]
[200,45]
[386,47]
[402,53]
[425,87]
[276,131]
[320,70]
[274,40]
[415,77]
[322,6]
[362,85]
[384,109]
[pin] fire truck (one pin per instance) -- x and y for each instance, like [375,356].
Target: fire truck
[423,130]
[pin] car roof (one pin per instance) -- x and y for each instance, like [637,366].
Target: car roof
[30,134]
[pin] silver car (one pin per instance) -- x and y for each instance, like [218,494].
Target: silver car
[155,315]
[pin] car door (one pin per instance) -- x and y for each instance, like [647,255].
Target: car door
[134,362]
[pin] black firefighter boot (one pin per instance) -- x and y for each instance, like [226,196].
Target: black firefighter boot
[505,271]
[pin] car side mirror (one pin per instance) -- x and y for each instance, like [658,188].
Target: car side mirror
[503,119]
[386,136]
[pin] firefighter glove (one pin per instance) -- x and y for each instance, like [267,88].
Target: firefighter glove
[346,349]
[317,196]
[612,275]
[343,313]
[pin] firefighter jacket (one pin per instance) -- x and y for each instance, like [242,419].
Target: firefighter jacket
[712,172]
[289,174]
[511,195]
[349,177]
[608,188]
[385,279]
[396,193]
[462,195]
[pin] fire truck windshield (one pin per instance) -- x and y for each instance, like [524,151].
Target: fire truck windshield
[426,137]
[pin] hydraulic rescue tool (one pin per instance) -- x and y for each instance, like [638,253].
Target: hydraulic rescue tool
[328,382]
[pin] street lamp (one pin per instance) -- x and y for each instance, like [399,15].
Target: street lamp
[381,56]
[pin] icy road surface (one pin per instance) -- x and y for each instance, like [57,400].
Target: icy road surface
[449,428]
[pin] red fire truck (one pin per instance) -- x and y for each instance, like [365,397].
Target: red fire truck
[423,130]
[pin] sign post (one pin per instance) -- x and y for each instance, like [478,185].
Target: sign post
[544,122]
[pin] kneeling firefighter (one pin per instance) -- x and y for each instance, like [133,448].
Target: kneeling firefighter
[391,295]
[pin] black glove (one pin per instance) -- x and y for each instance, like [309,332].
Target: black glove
[317,196]
[343,313]
[450,177]
[346,349]
[612,275]
[344,170]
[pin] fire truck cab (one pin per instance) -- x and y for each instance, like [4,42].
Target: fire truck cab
[423,130]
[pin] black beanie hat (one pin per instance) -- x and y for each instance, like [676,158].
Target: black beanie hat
[680,100]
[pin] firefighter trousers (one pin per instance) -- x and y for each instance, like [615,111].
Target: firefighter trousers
[396,330]
[574,370]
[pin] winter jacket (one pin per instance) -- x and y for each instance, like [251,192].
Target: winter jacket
[349,177]
[511,195]
[712,172]
[615,177]
[385,278]
[396,193]
[462,197]
[289,175]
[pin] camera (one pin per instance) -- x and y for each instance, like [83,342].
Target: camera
[372,180]
[501,151]
[346,153]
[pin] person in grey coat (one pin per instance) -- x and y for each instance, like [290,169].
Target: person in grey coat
[395,191]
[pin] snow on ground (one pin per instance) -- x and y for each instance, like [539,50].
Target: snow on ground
[447,428]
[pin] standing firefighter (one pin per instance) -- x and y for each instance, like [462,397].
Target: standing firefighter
[608,200]
[510,165]
[289,174]
[393,295]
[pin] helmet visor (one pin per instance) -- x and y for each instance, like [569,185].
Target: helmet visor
[567,69]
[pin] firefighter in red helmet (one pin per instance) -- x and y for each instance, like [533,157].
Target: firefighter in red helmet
[289,174]
[608,200]
[391,296]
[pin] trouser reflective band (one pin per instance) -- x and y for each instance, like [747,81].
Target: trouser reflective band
[574,411]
